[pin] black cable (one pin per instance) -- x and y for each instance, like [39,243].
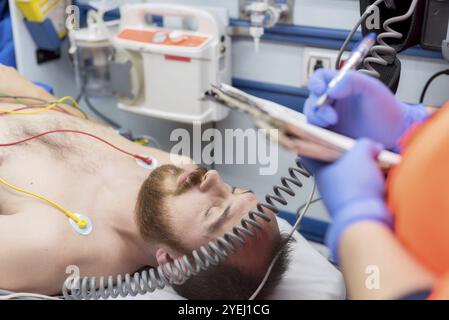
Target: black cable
[114,124]
[429,82]
[79,97]
[94,110]
[351,34]
[82,95]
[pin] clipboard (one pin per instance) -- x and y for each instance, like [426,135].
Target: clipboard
[322,144]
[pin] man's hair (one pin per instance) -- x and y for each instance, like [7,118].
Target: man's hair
[151,213]
[152,216]
[227,282]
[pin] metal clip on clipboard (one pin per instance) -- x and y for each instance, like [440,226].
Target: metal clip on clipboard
[268,115]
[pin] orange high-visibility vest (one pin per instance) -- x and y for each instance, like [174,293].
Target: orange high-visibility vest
[418,196]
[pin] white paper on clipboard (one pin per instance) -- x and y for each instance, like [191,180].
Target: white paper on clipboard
[332,145]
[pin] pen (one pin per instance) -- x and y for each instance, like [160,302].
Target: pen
[357,56]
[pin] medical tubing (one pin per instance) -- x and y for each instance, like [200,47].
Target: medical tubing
[100,115]
[41,103]
[80,222]
[429,82]
[57,109]
[83,95]
[44,107]
[147,160]
[203,258]
[300,215]
[354,30]
[383,47]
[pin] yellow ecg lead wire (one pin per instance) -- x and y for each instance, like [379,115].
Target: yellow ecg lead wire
[81,223]
[44,108]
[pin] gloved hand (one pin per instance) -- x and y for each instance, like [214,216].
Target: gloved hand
[362,108]
[352,189]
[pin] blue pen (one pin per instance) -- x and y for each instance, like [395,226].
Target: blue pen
[357,57]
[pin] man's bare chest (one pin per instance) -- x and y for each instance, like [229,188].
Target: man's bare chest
[51,131]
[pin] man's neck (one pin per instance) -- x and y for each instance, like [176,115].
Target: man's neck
[141,251]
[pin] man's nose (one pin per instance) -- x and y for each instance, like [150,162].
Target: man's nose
[213,183]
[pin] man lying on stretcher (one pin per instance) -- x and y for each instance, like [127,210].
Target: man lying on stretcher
[140,217]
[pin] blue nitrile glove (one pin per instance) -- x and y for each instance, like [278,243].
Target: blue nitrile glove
[362,107]
[352,189]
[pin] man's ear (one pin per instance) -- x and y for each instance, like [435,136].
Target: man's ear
[163,256]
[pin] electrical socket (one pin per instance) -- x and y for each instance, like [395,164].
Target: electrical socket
[314,59]
[318,62]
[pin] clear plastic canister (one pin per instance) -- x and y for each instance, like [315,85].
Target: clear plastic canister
[92,61]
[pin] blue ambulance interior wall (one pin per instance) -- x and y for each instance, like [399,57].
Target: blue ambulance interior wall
[277,68]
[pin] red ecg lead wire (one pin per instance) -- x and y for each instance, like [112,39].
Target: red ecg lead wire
[146,160]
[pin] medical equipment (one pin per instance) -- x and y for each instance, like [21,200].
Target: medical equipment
[92,53]
[101,70]
[146,159]
[41,104]
[263,14]
[41,109]
[39,10]
[435,32]
[176,65]
[357,56]
[273,116]
[45,21]
[425,26]
[382,54]
[383,62]
[429,82]
[408,24]
[79,221]
[83,226]
[404,24]
[445,43]
[99,114]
